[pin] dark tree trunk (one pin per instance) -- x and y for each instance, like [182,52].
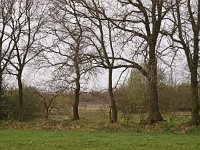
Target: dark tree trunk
[76,94]
[76,104]
[193,65]
[191,52]
[154,114]
[112,99]
[1,94]
[1,75]
[194,97]
[153,110]
[47,112]
[21,98]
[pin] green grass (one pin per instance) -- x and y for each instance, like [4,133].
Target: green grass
[77,140]
[94,132]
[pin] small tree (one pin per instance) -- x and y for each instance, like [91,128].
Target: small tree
[132,97]
[47,99]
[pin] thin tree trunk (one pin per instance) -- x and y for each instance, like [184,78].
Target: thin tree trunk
[1,75]
[194,98]
[76,95]
[76,104]
[112,99]
[1,100]
[21,100]
[47,112]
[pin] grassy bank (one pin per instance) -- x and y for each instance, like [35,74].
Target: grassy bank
[78,140]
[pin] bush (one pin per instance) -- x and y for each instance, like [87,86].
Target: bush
[174,98]
[132,97]
[32,104]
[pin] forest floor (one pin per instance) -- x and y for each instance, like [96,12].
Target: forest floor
[98,120]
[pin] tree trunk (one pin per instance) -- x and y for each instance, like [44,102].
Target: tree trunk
[1,100]
[112,98]
[47,112]
[76,95]
[153,110]
[1,84]
[76,104]
[193,65]
[21,100]
[194,98]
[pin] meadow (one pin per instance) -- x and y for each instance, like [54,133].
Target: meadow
[94,132]
[79,140]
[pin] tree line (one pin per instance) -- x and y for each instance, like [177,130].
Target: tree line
[74,38]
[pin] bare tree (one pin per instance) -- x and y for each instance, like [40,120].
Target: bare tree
[6,42]
[142,21]
[186,20]
[70,47]
[101,36]
[27,20]
[47,99]
[102,41]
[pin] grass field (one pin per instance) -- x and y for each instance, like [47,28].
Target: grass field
[94,132]
[77,140]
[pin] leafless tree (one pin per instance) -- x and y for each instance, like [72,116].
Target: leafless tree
[142,21]
[6,42]
[69,47]
[186,20]
[27,21]
[102,41]
[101,36]
[47,99]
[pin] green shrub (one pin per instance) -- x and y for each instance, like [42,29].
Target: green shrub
[32,104]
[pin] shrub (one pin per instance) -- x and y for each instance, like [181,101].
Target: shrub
[32,105]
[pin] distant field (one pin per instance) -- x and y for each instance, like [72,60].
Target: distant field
[77,140]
